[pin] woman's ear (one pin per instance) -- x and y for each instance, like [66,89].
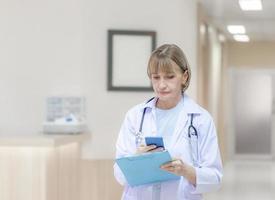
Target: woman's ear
[185,77]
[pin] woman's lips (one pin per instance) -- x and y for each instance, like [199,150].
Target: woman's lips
[163,93]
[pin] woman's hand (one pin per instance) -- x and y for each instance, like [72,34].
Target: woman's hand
[180,168]
[152,148]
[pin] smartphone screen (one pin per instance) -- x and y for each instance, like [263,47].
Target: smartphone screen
[158,141]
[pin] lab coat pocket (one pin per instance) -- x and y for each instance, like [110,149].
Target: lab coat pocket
[128,197]
[129,193]
[189,193]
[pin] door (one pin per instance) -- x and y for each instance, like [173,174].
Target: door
[252,112]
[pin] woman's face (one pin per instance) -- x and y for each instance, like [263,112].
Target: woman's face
[168,86]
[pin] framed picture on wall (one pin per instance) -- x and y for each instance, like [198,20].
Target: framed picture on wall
[128,55]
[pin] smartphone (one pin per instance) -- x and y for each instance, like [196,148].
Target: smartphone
[158,141]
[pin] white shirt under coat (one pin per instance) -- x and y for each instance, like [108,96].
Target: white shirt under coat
[209,172]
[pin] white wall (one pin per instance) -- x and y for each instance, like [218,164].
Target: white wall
[60,47]
[41,50]
[215,63]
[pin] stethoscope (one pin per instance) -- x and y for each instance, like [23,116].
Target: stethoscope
[192,135]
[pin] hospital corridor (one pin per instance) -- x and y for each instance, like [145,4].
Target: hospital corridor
[137,100]
[246,180]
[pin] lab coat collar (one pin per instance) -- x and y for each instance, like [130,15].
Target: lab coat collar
[189,105]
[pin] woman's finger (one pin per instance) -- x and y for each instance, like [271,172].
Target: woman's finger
[169,164]
[172,164]
[157,149]
[144,149]
[150,147]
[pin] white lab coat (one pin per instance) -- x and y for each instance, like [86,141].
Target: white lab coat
[209,172]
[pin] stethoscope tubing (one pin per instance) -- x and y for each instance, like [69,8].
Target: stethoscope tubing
[192,135]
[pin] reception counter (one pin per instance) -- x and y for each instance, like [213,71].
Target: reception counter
[40,167]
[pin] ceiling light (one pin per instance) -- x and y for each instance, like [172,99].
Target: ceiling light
[236,29]
[251,4]
[241,38]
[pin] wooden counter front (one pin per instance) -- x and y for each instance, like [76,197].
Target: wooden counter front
[40,167]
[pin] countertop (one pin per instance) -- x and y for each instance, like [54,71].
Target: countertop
[42,140]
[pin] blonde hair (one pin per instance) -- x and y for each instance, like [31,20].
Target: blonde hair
[163,58]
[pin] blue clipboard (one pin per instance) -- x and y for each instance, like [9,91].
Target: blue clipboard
[145,168]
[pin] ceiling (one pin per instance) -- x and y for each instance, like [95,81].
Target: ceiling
[260,25]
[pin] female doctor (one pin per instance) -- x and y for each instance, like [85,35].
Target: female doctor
[187,129]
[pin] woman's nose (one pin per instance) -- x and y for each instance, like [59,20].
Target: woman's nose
[162,83]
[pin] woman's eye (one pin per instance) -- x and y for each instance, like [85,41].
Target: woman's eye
[155,77]
[170,76]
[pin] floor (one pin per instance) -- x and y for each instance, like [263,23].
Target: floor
[246,180]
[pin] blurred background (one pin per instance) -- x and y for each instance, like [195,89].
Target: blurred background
[60,48]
